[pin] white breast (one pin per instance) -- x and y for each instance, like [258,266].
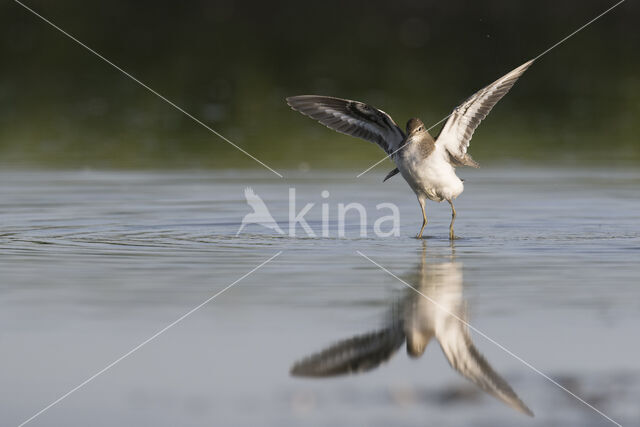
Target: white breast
[432,177]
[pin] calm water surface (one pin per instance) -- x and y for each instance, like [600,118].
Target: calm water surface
[93,263]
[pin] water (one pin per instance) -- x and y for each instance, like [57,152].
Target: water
[94,263]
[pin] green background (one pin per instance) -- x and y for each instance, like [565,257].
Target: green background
[231,64]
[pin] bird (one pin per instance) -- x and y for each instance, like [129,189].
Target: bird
[432,308]
[260,214]
[428,164]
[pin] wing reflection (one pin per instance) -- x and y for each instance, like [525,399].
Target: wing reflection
[416,319]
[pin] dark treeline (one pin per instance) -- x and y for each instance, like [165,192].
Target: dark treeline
[232,63]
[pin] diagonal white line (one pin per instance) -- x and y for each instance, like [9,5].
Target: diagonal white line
[491,340]
[142,344]
[534,59]
[165,99]
[398,149]
[580,29]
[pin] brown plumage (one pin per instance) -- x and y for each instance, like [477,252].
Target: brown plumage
[427,164]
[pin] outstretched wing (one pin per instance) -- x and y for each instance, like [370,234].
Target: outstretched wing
[249,194]
[258,205]
[465,358]
[465,118]
[358,354]
[352,118]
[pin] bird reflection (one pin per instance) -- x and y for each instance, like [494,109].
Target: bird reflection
[434,308]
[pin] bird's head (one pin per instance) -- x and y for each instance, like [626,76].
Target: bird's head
[417,343]
[415,125]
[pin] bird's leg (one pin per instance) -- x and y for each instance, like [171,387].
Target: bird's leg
[424,218]
[453,219]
